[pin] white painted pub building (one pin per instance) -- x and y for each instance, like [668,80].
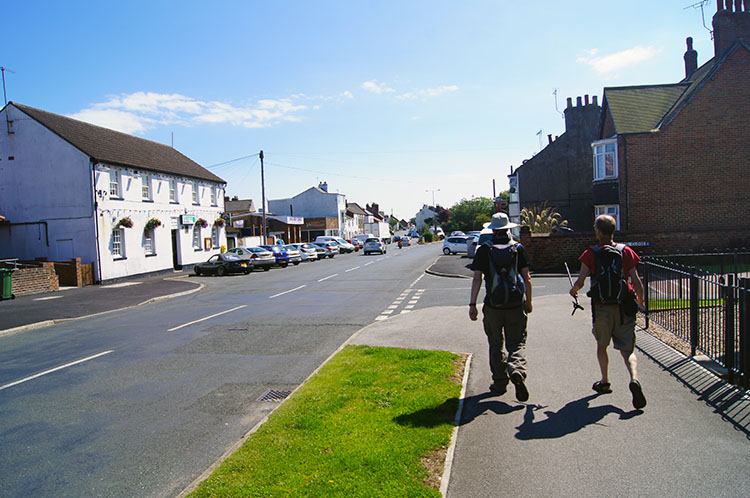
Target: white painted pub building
[128,205]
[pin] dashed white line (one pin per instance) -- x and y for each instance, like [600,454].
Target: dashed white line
[329,276]
[6,386]
[206,318]
[352,269]
[287,292]
[371,262]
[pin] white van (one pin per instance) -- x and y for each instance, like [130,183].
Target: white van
[363,237]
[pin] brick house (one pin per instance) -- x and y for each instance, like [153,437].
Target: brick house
[560,174]
[671,162]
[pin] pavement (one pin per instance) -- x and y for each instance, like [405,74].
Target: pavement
[692,439]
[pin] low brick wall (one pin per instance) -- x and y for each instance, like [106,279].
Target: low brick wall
[548,252]
[35,280]
[73,273]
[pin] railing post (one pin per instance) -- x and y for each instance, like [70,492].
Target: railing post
[693,311]
[744,284]
[645,291]
[729,346]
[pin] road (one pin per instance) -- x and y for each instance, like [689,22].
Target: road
[150,397]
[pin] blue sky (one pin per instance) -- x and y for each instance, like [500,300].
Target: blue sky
[387,101]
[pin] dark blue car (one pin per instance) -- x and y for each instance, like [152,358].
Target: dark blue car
[282,258]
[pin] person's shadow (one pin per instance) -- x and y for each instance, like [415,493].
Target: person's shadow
[478,404]
[569,419]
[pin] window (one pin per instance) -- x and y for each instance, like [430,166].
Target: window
[172,190]
[148,242]
[114,183]
[195,193]
[213,196]
[196,237]
[612,210]
[605,160]
[118,243]
[215,236]
[146,186]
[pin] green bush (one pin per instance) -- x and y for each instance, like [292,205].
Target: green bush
[429,237]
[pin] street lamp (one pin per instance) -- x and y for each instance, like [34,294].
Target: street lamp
[434,218]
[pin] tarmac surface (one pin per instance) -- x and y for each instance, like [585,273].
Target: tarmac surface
[692,439]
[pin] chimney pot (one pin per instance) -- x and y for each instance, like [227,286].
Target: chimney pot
[586,99]
[595,100]
[691,59]
[578,102]
[549,138]
[570,102]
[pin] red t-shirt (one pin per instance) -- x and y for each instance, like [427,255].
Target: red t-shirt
[629,261]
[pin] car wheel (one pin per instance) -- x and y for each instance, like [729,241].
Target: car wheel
[197,271]
[284,265]
[247,272]
[295,263]
[266,268]
[220,271]
[331,256]
[446,251]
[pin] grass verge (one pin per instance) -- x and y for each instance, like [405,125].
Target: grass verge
[369,423]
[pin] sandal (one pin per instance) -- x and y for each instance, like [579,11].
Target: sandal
[639,400]
[602,387]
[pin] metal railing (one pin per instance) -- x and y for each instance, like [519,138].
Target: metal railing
[709,311]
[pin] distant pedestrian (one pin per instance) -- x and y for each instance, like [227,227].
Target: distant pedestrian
[504,264]
[614,278]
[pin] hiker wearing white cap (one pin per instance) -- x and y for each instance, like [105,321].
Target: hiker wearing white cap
[504,264]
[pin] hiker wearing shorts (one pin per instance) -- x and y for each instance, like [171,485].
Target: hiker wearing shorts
[504,265]
[613,279]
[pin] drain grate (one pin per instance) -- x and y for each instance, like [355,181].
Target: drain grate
[274,395]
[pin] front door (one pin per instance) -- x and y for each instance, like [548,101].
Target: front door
[175,252]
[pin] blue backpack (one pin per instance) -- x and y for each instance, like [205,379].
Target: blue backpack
[608,284]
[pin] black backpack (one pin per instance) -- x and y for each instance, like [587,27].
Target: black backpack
[608,283]
[505,287]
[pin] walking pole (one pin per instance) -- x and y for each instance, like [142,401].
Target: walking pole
[576,304]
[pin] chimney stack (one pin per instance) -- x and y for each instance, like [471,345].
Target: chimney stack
[549,138]
[731,22]
[691,59]
[323,186]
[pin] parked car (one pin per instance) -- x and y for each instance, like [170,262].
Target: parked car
[279,252]
[405,241]
[344,245]
[261,258]
[457,233]
[330,249]
[307,251]
[362,237]
[295,256]
[453,245]
[356,243]
[222,264]
[374,244]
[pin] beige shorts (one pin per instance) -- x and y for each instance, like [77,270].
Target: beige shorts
[607,326]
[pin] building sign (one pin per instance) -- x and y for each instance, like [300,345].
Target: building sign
[187,219]
[637,244]
[239,223]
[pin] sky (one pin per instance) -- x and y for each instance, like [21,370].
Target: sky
[400,103]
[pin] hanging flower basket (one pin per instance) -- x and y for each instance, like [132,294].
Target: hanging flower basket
[200,222]
[125,222]
[219,222]
[153,223]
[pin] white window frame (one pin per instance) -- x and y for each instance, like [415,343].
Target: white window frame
[600,153]
[146,187]
[215,236]
[197,238]
[118,243]
[610,209]
[213,196]
[196,198]
[172,190]
[115,183]
[149,242]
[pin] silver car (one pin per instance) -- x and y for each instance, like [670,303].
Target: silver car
[261,258]
[307,251]
[374,244]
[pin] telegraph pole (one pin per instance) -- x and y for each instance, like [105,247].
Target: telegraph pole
[263,190]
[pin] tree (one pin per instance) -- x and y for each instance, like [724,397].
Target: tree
[471,214]
[542,218]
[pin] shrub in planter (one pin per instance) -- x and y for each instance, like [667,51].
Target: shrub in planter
[152,223]
[219,222]
[200,222]
[125,222]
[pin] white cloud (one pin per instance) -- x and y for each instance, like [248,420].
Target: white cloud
[137,112]
[426,93]
[347,95]
[375,87]
[609,64]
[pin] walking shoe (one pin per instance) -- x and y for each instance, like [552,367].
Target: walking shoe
[498,390]
[522,394]
[639,400]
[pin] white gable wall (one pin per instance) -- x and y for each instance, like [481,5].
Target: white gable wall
[47,181]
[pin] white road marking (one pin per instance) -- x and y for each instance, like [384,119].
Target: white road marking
[405,311]
[381,318]
[386,312]
[47,298]
[287,292]
[371,262]
[409,306]
[206,318]
[6,386]
[329,276]
[352,269]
